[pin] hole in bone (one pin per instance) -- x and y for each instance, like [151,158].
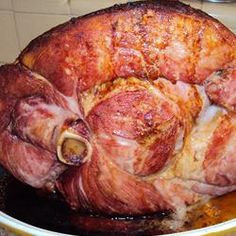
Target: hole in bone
[73,149]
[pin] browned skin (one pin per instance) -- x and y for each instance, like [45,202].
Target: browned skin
[143,39]
[132,129]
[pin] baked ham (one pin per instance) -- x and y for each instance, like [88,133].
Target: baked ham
[126,111]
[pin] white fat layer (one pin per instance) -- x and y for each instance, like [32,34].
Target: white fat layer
[40,77]
[73,105]
[203,131]
[124,152]
[81,189]
[206,123]
[47,124]
[126,142]
[179,142]
[71,101]
[209,190]
[205,100]
[209,114]
[183,89]
[189,161]
[177,50]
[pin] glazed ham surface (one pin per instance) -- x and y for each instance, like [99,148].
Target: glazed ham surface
[129,110]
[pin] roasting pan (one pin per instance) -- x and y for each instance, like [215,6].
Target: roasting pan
[24,211]
[15,227]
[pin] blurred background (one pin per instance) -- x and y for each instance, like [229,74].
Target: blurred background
[23,20]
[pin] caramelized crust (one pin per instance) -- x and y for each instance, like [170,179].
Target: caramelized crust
[144,39]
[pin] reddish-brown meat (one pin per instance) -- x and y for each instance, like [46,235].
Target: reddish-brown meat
[113,109]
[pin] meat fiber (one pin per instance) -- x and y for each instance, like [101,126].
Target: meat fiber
[127,111]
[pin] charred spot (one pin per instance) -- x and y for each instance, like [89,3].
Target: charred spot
[73,20]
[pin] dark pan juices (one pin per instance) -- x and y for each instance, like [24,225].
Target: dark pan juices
[50,212]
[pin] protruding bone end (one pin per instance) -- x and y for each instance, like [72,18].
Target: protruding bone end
[73,149]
